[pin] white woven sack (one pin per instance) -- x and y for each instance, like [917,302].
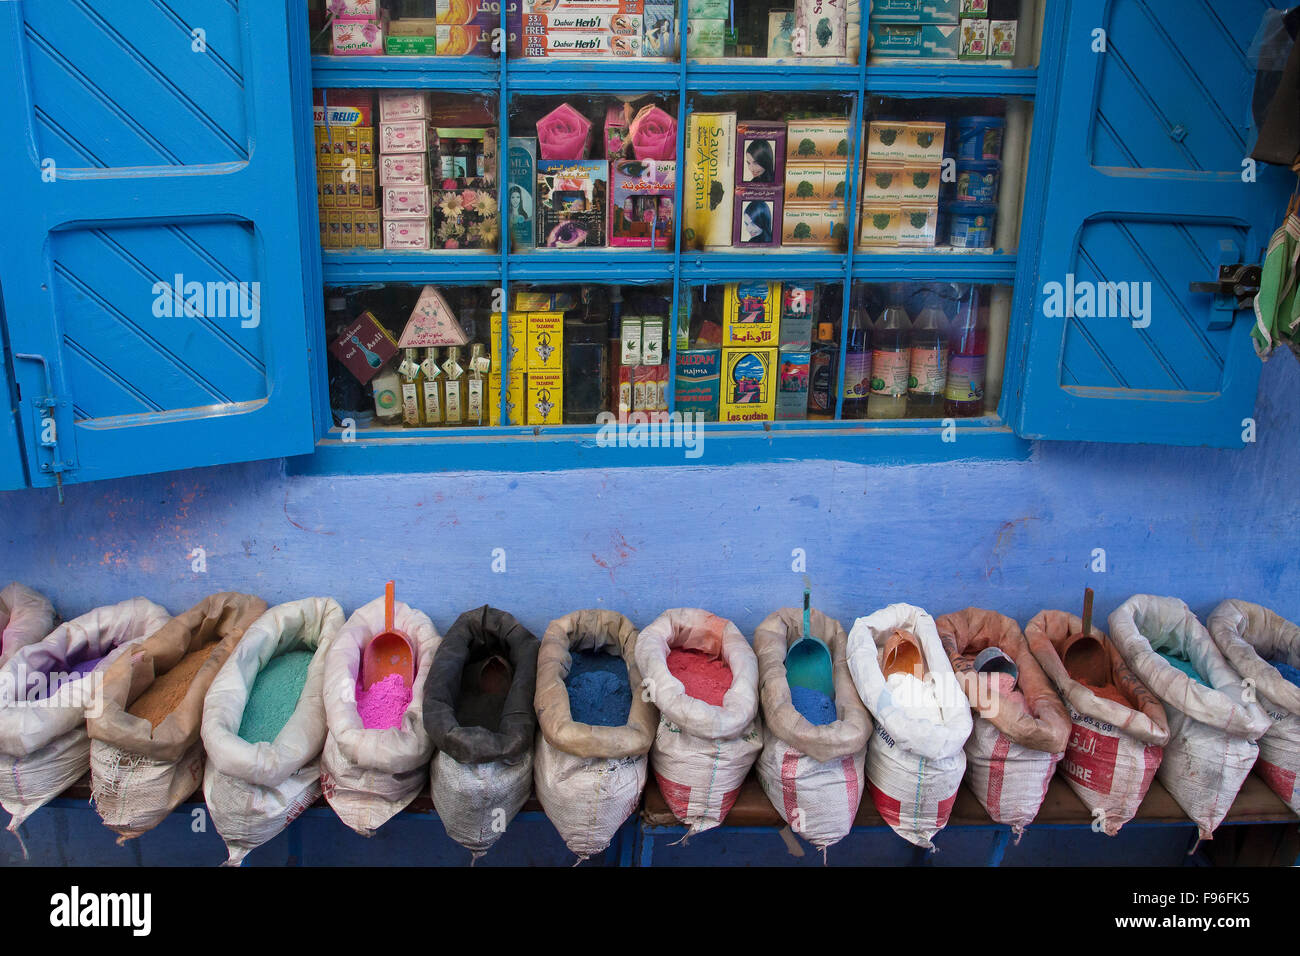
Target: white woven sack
[914,764]
[1009,780]
[702,753]
[1212,730]
[476,802]
[255,790]
[369,776]
[25,618]
[1250,635]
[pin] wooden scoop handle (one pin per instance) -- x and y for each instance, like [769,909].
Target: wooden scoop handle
[388,606]
[1087,611]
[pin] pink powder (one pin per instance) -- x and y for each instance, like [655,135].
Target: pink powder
[383,705]
[705,678]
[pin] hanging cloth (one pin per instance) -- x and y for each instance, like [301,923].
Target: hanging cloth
[1277,311]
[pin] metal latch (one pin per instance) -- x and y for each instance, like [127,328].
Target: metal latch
[45,425]
[1239,281]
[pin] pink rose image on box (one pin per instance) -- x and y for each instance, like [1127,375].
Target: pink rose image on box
[563,133]
[654,134]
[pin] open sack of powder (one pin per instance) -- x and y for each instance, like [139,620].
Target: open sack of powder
[1020,726]
[478,710]
[1213,721]
[264,724]
[1256,641]
[47,690]
[702,751]
[377,753]
[25,618]
[145,752]
[812,774]
[589,777]
[916,760]
[1118,728]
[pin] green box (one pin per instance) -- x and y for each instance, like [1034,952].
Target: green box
[410,46]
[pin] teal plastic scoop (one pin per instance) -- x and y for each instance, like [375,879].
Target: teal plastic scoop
[808,661]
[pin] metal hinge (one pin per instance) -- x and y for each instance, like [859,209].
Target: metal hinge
[45,425]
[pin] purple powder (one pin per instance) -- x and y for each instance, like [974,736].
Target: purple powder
[86,666]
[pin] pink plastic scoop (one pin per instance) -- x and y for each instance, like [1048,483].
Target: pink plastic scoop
[389,652]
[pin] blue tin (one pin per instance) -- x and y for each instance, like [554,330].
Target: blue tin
[978,139]
[978,182]
[970,225]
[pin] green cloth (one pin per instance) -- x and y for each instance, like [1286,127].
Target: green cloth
[1277,307]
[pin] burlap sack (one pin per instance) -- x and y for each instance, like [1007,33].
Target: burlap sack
[140,773]
[1212,729]
[814,776]
[1018,739]
[255,790]
[1249,636]
[25,617]
[1113,750]
[589,779]
[702,753]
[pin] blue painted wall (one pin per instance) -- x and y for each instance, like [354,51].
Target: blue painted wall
[1016,536]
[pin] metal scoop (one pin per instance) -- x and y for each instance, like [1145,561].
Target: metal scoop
[389,652]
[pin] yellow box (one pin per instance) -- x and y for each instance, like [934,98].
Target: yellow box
[545,342]
[814,224]
[366,147]
[903,142]
[820,139]
[748,385]
[881,224]
[366,228]
[518,338]
[514,399]
[752,315]
[545,398]
[901,183]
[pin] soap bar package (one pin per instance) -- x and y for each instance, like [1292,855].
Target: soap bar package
[349,38]
[465,219]
[936,41]
[818,139]
[571,197]
[792,385]
[748,389]
[697,382]
[823,25]
[917,143]
[354,11]
[897,182]
[406,136]
[406,202]
[758,217]
[709,188]
[880,224]
[752,314]
[521,167]
[403,105]
[364,347]
[706,38]
[798,305]
[403,169]
[641,213]
[407,235]
[1002,39]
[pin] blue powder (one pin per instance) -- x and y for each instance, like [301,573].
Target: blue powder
[816,707]
[1287,671]
[1185,667]
[599,693]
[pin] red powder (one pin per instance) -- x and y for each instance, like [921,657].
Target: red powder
[383,705]
[705,678]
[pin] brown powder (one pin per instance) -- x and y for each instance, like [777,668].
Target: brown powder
[167,690]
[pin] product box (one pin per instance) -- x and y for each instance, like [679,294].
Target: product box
[544,342]
[652,339]
[823,25]
[752,314]
[364,347]
[342,108]
[407,136]
[792,385]
[900,183]
[356,189]
[757,217]
[367,229]
[819,139]
[748,387]
[579,44]
[974,8]
[974,40]
[630,341]
[545,391]
[465,219]
[780,34]
[515,395]
[649,383]
[932,41]
[355,10]
[518,322]
[813,224]
[881,224]
[915,11]
[760,153]
[805,182]
[641,210]
[708,191]
[413,27]
[521,169]
[459,39]
[531,300]
[917,225]
[1002,39]
[708,9]
[585,6]
[659,29]
[798,306]
[917,143]
[837,181]
[403,169]
[355,38]
[706,38]
[406,202]
[456,11]
[411,45]
[571,197]
[697,382]
[407,235]
[359,144]
[621,24]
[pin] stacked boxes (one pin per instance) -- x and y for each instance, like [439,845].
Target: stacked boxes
[463,169]
[928,29]
[988,29]
[412,36]
[535,344]
[583,28]
[642,369]
[901,181]
[750,335]
[403,168]
[798,305]
[816,170]
[760,183]
[345,172]
[357,28]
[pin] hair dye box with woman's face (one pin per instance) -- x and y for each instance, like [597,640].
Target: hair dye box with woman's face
[521,170]
[760,153]
[758,217]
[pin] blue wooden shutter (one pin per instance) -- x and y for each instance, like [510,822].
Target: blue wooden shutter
[1146,185]
[168,132]
[12,473]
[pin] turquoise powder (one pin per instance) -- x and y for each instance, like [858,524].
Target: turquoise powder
[274,696]
[1184,666]
[599,693]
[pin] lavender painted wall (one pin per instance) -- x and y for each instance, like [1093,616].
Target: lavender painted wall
[1015,536]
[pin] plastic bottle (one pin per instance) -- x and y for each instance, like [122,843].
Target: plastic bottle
[968,344]
[890,362]
[412,388]
[432,371]
[857,363]
[928,375]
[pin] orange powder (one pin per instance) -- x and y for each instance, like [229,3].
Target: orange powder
[167,690]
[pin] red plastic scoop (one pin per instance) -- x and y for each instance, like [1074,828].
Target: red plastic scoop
[389,652]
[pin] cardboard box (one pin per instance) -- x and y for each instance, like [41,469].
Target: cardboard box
[974,8]
[974,39]
[915,11]
[516,393]
[706,38]
[748,387]
[367,229]
[659,29]
[518,327]
[901,183]
[798,306]
[805,182]
[708,191]
[652,340]
[403,169]
[349,38]
[406,202]
[792,385]
[697,382]
[413,27]
[780,34]
[356,10]
[641,207]
[1002,39]
[917,143]
[630,341]
[364,347]
[760,153]
[458,39]
[584,6]
[931,41]
[577,44]
[545,392]
[401,105]
[407,235]
[345,108]
[821,139]
[407,136]
[752,314]
[571,195]
[881,224]
[521,192]
[818,224]
[544,343]
[465,218]
[757,217]
[823,25]
[917,225]
[621,24]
